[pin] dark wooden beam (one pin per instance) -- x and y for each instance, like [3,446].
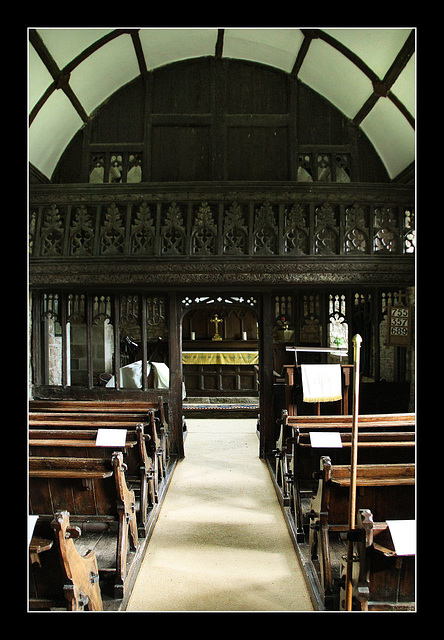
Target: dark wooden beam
[356,60]
[139,51]
[381,88]
[220,43]
[60,77]
[400,61]
[309,35]
[95,46]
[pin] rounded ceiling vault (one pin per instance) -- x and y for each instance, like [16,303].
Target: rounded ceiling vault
[367,73]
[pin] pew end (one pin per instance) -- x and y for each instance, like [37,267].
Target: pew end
[382,580]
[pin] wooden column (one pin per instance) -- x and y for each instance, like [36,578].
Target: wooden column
[175,365]
[266,380]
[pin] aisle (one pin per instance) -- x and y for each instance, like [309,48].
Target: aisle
[221,542]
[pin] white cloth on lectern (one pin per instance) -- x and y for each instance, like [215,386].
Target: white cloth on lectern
[321,382]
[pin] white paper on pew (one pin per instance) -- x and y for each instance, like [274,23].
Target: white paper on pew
[403,534]
[31,526]
[111,438]
[325,439]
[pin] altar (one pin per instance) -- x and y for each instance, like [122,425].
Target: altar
[220,357]
[221,368]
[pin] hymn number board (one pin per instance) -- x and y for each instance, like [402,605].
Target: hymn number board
[399,326]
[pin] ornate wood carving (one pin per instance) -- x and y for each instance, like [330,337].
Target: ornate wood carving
[235,231]
[173,232]
[143,232]
[221,234]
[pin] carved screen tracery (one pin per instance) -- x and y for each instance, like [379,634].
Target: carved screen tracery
[265,230]
[112,232]
[143,230]
[235,230]
[51,242]
[81,233]
[386,230]
[77,341]
[199,300]
[356,229]
[296,232]
[338,335]
[172,232]
[204,231]
[326,230]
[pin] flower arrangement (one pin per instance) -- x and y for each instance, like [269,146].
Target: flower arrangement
[283,322]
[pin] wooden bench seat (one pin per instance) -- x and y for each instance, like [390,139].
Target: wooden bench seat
[388,490]
[382,580]
[366,421]
[370,439]
[107,414]
[70,438]
[144,454]
[57,467]
[387,438]
[102,494]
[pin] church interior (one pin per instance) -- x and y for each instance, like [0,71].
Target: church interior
[221,307]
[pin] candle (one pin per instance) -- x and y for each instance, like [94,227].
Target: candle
[244,335]
[193,335]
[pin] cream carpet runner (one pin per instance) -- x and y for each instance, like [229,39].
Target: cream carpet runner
[221,542]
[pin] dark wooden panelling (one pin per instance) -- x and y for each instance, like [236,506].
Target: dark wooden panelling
[257,153]
[69,170]
[180,153]
[251,88]
[208,119]
[121,119]
[183,88]
[318,121]
[370,164]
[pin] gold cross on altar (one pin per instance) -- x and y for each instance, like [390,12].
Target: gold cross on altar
[216,321]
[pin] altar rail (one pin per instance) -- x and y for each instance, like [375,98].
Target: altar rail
[282,220]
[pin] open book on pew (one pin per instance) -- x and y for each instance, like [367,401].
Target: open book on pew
[403,534]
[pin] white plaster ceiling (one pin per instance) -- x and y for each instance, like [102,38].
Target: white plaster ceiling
[56,115]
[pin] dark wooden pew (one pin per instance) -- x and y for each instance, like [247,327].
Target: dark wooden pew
[141,453]
[382,580]
[388,490]
[60,576]
[96,492]
[366,421]
[381,439]
[104,411]
[151,467]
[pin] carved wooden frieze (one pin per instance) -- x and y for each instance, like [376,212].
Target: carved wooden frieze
[51,240]
[81,232]
[231,235]
[265,230]
[267,272]
[204,231]
[143,231]
[356,230]
[112,232]
[296,230]
[235,238]
[173,235]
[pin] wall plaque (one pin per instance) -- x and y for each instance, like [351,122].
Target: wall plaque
[399,323]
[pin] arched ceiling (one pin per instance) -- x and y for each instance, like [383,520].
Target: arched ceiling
[367,73]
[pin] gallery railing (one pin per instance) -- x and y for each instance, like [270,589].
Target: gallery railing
[148,221]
